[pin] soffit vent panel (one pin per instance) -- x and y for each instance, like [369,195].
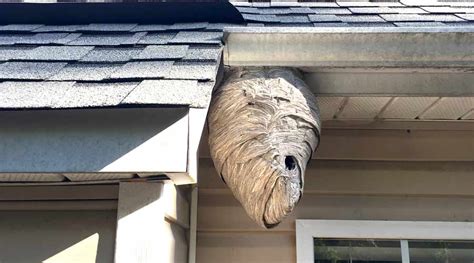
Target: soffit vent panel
[329,106]
[449,108]
[407,107]
[363,107]
[469,116]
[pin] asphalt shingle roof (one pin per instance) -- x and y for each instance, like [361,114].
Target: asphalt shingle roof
[97,65]
[353,13]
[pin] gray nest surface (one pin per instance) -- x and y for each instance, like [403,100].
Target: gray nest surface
[263,128]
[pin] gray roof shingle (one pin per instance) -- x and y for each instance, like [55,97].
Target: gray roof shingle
[419,24]
[143,70]
[387,10]
[417,18]
[331,24]
[92,65]
[173,92]
[334,11]
[353,13]
[56,53]
[294,19]
[150,28]
[324,18]
[203,53]
[469,17]
[58,28]
[197,37]
[372,24]
[111,54]
[21,27]
[42,38]
[157,38]
[63,94]
[360,18]
[367,4]
[32,94]
[107,39]
[188,26]
[448,10]
[261,18]
[86,72]
[95,94]
[29,70]
[188,70]
[13,53]
[163,52]
[107,27]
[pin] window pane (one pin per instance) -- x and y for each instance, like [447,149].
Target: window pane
[356,251]
[429,251]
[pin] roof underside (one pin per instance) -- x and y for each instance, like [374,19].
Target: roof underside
[371,61]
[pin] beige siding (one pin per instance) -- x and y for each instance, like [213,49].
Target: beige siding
[57,236]
[377,190]
[152,218]
[246,247]
[77,224]
[391,144]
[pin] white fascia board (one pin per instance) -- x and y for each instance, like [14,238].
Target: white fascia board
[197,121]
[152,141]
[349,47]
[376,50]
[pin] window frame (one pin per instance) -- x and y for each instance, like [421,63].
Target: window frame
[308,229]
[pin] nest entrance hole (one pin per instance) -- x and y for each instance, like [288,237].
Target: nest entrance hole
[290,163]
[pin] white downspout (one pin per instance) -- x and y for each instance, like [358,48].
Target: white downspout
[193,225]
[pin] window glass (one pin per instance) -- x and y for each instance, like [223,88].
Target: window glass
[429,251]
[327,250]
[356,251]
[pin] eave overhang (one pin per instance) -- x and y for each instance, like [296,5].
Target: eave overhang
[329,57]
[350,46]
[93,145]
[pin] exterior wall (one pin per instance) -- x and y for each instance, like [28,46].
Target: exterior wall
[78,224]
[57,236]
[334,189]
[152,223]
[176,244]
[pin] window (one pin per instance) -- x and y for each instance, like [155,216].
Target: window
[356,241]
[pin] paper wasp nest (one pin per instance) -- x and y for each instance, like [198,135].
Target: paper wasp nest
[263,128]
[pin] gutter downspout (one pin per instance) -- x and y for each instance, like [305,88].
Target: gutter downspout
[193,226]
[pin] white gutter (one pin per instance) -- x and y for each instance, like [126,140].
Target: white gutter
[326,53]
[350,47]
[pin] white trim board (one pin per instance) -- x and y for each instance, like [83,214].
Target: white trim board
[348,47]
[100,144]
[307,229]
[89,141]
[373,60]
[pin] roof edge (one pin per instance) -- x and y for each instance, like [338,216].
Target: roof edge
[129,12]
[445,47]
